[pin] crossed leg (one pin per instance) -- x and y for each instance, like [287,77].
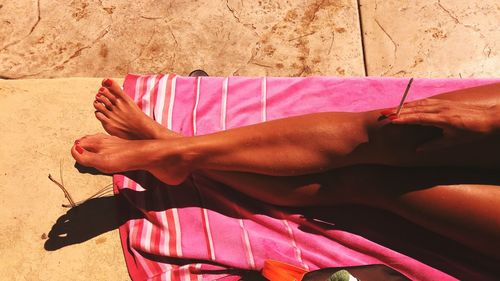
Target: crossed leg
[468,213]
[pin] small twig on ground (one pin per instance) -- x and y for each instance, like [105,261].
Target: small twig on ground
[66,193]
[99,193]
[72,203]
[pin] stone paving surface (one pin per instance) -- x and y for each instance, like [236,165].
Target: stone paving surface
[445,38]
[62,38]
[39,240]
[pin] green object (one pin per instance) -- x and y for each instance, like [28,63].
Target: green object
[341,275]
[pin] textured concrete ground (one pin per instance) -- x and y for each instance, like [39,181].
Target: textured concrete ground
[444,38]
[99,38]
[40,118]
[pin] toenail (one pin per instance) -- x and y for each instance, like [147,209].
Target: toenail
[107,82]
[79,149]
[101,89]
[98,95]
[77,142]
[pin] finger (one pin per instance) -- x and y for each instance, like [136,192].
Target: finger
[423,102]
[427,105]
[420,119]
[422,109]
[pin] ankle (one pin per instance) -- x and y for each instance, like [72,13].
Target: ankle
[156,132]
[178,152]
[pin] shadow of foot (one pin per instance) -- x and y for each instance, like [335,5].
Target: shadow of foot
[88,220]
[88,170]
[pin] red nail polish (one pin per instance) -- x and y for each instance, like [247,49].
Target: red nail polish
[101,89]
[393,117]
[77,142]
[387,112]
[79,149]
[107,82]
[98,95]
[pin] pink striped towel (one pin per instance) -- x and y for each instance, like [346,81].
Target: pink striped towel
[202,230]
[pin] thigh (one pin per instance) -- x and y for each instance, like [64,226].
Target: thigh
[461,204]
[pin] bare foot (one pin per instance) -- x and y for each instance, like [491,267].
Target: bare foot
[121,117]
[121,152]
[110,154]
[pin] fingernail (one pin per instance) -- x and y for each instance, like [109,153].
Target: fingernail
[387,112]
[79,149]
[101,89]
[393,117]
[107,82]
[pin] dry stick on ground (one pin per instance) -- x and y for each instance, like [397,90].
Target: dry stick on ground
[99,193]
[72,203]
[66,193]
[61,172]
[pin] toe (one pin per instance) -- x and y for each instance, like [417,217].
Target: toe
[92,143]
[101,108]
[104,100]
[86,144]
[82,156]
[88,158]
[105,92]
[114,88]
[101,117]
[106,123]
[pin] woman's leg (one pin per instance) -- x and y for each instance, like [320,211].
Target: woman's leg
[459,204]
[293,146]
[397,189]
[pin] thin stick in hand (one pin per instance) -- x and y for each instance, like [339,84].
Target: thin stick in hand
[404,97]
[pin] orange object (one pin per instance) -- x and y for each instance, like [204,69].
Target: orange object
[280,271]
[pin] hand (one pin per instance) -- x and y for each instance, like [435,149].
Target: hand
[461,122]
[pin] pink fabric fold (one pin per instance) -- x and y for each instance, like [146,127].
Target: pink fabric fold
[203,230]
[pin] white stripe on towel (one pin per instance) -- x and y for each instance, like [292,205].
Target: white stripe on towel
[198,81]
[298,252]
[171,105]
[224,103]
[146,98]
[160,100]
[264,99]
